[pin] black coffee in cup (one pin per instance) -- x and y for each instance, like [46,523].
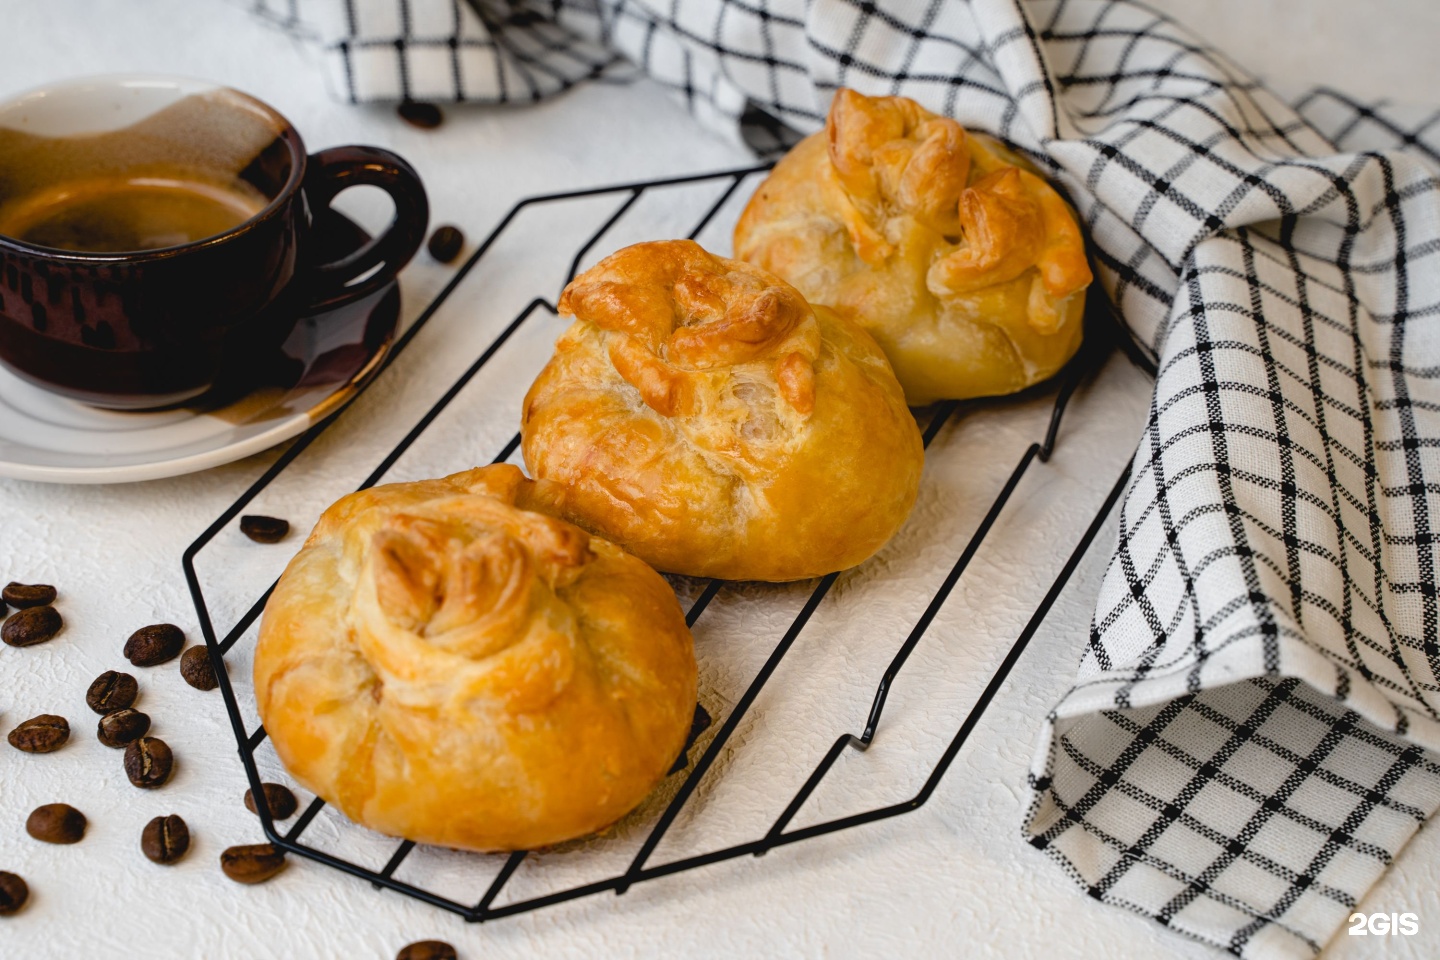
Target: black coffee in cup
[119,214]
[157,235]
[189,167]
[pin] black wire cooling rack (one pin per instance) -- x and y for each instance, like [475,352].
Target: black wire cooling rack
[1101,336]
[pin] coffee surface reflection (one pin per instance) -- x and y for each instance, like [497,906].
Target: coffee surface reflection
[123,214]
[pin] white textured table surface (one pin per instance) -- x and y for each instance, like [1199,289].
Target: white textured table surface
[952,878]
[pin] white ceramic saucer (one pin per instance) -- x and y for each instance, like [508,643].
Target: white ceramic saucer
[325,361]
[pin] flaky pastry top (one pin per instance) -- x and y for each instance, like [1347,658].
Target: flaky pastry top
[445,661]
[701,414]
[457,581]
[893,157]
[675,312]
[966,267]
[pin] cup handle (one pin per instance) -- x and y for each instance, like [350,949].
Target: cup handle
[338,168]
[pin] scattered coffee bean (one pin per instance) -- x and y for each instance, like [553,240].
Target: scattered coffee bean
[278,798]
[56,823]
[427,950]
[30,626]
[154,644]
[197,668]
[254,863]
[14,891]
[122,727]
[41,734]
[264,529]
[111,691]
[165,839]
[426,116]
[23,595]
[446,243]
[148,762]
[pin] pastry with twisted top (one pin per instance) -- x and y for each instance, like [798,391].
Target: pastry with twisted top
[445,661]
[967,268]
[702,415]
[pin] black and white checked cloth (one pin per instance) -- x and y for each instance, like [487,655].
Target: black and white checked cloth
[1251,738]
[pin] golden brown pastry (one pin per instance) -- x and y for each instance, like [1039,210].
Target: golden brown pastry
[445,662]
[967,268]
[702,415]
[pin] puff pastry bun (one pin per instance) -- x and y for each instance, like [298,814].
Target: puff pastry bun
[444,663]
[702,415]
[967,268]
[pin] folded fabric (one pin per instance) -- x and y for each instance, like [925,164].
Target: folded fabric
[1251,737]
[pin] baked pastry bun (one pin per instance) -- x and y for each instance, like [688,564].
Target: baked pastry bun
[967,268]
[445,662]
[702,415]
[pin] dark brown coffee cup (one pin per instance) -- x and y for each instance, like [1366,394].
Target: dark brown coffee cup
[217,196]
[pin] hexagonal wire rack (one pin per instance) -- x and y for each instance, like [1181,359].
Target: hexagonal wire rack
[1102,335]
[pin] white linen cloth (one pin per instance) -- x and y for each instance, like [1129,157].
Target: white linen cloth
[1251,736]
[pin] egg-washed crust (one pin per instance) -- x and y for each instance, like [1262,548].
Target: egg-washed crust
[967,268]
[699,413]
[445,662]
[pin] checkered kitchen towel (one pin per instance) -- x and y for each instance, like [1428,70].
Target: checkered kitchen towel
[1250,740]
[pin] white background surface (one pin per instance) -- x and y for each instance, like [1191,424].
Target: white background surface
[951,879]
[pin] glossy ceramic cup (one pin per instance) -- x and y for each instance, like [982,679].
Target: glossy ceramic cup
[152,328]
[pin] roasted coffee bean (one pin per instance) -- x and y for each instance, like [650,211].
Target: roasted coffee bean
[23,595]
[254,863]
[427,950]
[40,734]
[197,668]
[148,762]
[14,891]
[278,798]
[122,727]
[426,116]
[264,529]
[446,243]
[154,644]
[165,839]
[111,691]
[56,823]
[25,628]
